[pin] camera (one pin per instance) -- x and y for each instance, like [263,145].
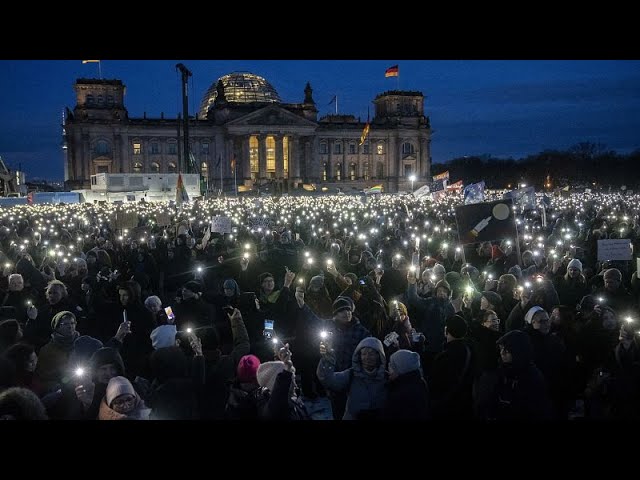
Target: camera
[268,329]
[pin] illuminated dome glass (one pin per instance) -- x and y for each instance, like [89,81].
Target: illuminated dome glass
[240,87]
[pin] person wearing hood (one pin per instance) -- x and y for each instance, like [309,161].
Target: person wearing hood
[431,314]
[517,390]
[407,391]
[364,382]
[122,402]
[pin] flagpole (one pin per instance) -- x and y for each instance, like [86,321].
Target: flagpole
[336,104]
[100,69]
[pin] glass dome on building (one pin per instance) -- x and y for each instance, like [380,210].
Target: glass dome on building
[240,87]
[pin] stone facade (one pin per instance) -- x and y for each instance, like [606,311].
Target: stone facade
[283,144]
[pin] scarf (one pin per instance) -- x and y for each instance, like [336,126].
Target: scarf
[63,341]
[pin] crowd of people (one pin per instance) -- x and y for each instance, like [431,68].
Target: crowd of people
[370,301]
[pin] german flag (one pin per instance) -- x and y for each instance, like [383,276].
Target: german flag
[392,71]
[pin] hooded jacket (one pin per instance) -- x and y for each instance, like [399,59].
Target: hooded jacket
[366,393]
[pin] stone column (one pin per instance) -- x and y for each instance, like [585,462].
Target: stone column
[85,164]
[245,171]
[279,157]
[294,158]
[262,157]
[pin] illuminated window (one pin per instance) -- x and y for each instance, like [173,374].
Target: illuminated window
[338,171]
[204,169]
[352,149]
[366,170]
[204,148]
[155,148]
[171,168]
[254,156]
[323,148]
[380,149]
[137,167]
[352,171]
[285,156]
[155,167]
[407,148]
[271,156]
[325,172]
[173,148]
[137,148]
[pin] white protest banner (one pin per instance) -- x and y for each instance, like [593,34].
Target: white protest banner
[260,222]
[617,249]
[422,191]
[221,224]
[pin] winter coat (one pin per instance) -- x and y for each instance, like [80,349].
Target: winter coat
[407,398]
[431,314]
[366,393]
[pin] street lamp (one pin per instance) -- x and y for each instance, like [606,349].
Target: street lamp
[413,179]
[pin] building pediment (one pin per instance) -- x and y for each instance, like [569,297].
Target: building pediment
[270,117]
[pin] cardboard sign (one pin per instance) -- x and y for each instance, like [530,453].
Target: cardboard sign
[483,222]
[260,222]
[163,219]
[126,220]
[616,249]
[221,224]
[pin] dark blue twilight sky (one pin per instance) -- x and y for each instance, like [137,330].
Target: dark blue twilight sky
[497,107]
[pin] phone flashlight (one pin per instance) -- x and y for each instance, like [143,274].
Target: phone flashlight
[79,372]
[469,289]
[189,330]
[275,340]
[323,334]
[329,261]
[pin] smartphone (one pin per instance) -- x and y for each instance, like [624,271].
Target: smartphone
[169,313]
[268,329]
[362,282]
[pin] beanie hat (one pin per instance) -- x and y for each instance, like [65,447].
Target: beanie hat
[404,361]
[492,297]
[575,263]
[194,286]
[341,303]
[232,285]
[83,348]
[267,373]
[453,278]
[516,271]
[264,275]
[444,284]
[163,336]
[316,283]
[439,270]
[509,280]
[118,386]
[107,356]
[587,303]
[456,326]
[58,316]
[528,318]
[247,369]
[613,273]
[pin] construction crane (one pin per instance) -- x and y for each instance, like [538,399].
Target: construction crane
[7,180]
